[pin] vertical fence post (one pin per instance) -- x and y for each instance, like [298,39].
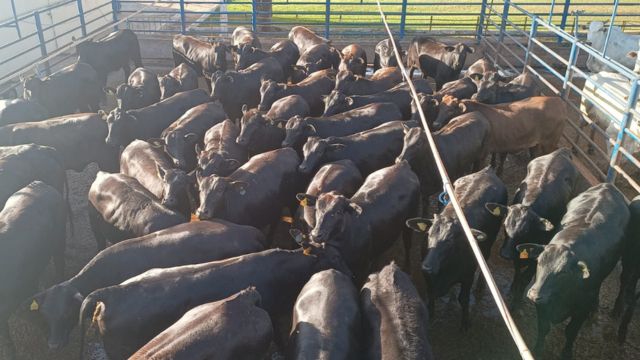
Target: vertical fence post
[403,19]
[565,14]
[327,18]
[626,122]
[611,20]
[483,8]
[114,11]
[15,18]
[503,24]
[254,15]
[83,25]
[568,75]
[43,44]
[183,27]
[532,34]
[553,6]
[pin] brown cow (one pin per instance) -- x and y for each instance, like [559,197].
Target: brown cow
[354,59]
[383,79]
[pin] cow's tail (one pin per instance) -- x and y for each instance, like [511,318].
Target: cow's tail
[90,306]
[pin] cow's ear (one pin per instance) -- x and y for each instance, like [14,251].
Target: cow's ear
[476,76]
[336,147]
[349,100]
[449,48]
[109,90]
[190,137]
[479,235]
[418,224]
[497,210]
[156,143]
[297,235]
[160,171]
[584,268]
[281,124]
[360,60]
[529,251]
[245,108]
[545,225]
[232,163]
[306,199]
[462,107]
[240,187]
[469,49]
[405,127]
[632,54]
[78,297]
[102,114]
[311,129]
[434,102]
[355,208]
[198,149]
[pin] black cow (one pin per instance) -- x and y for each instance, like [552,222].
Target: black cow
[395,318]
[400,95]
[181,78]
[436,59]
[190,243]
[490,91]
[175,290]
[152,168]
[205,58]
[312,89]
[285,51]
[22,164]
[78,138]
[572,267]
[121,208]
[463,88]
[318,57]
[287,107]
[221,154]
[370,150]
[245,84]
[20,110]
[232,328]
[305,38]
[142,89]
[628,297]
[181,137]
[461,144]
[538,206]
[260,133]
[384,55]
[381,80]
[255,193]
[367,224]
[449,259]
[299,129]
[477,70]
[149,122]
[326,319]
[354,59]
[111,53]
[33,231]
[341,176]
[73,88]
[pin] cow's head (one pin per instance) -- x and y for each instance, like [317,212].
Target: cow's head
[487,86]
[448,108]
[634,55]
[327,255]
[559,276]
[127,96]
[220,51]
[596,34]
[343,78]
[297,130]
[32,86]
[521,224]
[213,194]
[175,186]
[246,56]
[221,85]
[176,143]
[447,250]
[118,122]
[84,48]
[59,307]
[252,120]
[270,91]
[457,55]
[384,51]
[415,144]
[298,73]
[169,86]
[336,102]
[211,162]
[429,104]
[333,213]
[314,150]
[356,65]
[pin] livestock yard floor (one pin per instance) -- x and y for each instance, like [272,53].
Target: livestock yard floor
[486,339]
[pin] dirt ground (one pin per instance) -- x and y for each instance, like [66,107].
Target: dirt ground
[487,338]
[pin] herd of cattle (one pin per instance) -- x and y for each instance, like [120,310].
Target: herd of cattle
[193,186]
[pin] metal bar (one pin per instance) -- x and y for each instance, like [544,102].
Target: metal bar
[83,25]
[565,14]
[183,26]
[327,18]
[15,18]
[626,122]
[43,45]
[254,15]
[532,35]
[403,18]
[611,20]
[504,15]
[568,75]
[114,11]
[553,5]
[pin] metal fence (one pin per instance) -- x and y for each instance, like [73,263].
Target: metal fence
[516,49]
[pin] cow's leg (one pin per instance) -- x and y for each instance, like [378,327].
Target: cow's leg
[463,299]
[413,69]
[96,227]
[592,134]
[58,256]
[625,278]
[7,348]
[500,168]
[127,72]
[520,281]
[570,333]
[544,325]
[626,319]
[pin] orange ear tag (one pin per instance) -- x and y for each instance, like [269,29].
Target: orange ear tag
[524,254]
[194,217]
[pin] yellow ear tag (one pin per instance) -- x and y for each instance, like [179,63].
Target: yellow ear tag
[524,254]
[422,226]
[303,202]
[34,306]
[307,251]
[287,219]
[496,211]
[194,217]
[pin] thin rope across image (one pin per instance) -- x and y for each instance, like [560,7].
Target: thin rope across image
[448,189]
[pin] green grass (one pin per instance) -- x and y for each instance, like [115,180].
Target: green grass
[354,15]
